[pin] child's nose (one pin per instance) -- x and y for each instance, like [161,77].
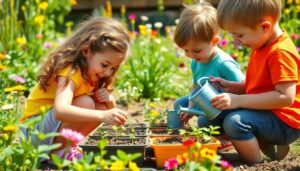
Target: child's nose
[107,72]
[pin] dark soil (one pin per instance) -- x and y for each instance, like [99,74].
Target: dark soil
[119,141]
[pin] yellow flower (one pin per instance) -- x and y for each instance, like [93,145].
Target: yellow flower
[298,8]
[143,31]
[10,128]
[39,20]
[290,1]
[182,158]
[208,154]
[154,114]
[152,104]
[2,56]
[15,88]
[73,2]
[21,41]
[287,11]
[108,9]
[103,164]
[297,2]
[2,67]
[5,136]
[123,9]
[43,5]
[117,166]
[133,167]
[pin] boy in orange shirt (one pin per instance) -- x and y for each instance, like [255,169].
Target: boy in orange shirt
[266,113]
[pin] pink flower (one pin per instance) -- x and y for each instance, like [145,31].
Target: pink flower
[171,163]
[18,79]
[47,45]
[223,42]
[132,16]
[226,165]
[294,36]
[73,136]
[298,49]
[75,152]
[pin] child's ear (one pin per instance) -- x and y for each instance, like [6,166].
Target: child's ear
[266,25]
[85,51]
[215,40]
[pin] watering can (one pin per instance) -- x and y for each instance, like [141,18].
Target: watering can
[173,119]
[201,97]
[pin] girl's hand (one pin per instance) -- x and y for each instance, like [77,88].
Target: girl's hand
[225,101]
[115,116]
[101,95]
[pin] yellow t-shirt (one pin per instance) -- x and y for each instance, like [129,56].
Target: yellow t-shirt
[38,97]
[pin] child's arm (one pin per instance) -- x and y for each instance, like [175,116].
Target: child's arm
[283,96]
[229,86]
[65,111]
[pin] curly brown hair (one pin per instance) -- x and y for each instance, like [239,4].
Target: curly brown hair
[96,35]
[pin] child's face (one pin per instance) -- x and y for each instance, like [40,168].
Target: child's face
[101,65]
[200,51]
[252,38]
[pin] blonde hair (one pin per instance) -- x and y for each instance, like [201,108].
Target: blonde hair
[197,22]
[248,12]
[96,35]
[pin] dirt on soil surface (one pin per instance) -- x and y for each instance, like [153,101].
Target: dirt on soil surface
[290,163]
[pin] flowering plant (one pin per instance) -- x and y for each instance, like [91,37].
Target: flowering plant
[197,159]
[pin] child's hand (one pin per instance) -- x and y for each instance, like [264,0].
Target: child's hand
[223,83]
[225,101]
[185,117]
[101,95]
[115,117]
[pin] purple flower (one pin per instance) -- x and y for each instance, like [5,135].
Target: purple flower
[223,42]
[18,79]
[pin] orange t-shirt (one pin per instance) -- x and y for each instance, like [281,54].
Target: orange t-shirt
[273,64]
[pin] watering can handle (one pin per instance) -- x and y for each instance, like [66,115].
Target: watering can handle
[207,79]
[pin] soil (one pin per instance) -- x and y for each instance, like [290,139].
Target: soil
[119,142]
[290,163]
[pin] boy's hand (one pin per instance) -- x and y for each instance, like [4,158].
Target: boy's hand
[223,83]
[115,117]
[185,117]
[225,101]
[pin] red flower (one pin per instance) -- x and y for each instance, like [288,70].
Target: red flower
[189,142]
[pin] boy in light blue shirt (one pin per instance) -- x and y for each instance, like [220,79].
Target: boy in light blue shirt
[197,33]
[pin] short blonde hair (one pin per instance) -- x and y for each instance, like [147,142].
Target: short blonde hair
[248,12]
[197,22]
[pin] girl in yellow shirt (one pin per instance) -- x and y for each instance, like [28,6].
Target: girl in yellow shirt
[75,81]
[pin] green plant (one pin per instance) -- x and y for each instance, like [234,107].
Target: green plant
[204,134]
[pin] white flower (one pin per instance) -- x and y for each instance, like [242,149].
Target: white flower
[158,41]
[148,25]
[7,107]
[176,21]
[144,18]
[158,25]
[164,49]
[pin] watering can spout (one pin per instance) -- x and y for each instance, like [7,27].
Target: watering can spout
[190,110]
